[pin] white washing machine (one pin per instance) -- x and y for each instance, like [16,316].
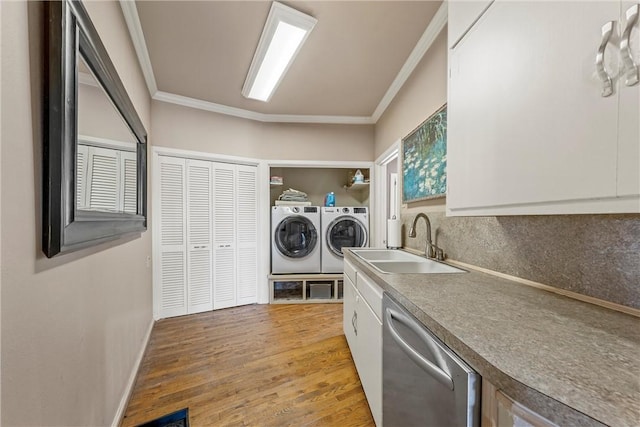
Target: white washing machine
[295,239]
[342,227]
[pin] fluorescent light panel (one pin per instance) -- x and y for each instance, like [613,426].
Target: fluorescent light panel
[284,33]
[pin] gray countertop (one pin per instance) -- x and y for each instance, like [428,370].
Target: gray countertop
[572,362]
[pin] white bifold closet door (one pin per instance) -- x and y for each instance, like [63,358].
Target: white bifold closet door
[208,236]
[224,241]
[247,234]
[235,235]
[199,274]
[170,291]
[185,237]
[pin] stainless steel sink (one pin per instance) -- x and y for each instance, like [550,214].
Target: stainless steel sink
[425,266]
[386,255]
[396,261]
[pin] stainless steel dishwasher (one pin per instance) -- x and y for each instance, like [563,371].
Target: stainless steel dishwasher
[423,382]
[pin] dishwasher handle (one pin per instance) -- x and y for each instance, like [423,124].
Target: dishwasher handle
[424,363]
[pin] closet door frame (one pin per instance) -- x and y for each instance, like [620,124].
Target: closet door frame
[262,171]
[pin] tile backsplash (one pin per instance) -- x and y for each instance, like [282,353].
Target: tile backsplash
[594,255]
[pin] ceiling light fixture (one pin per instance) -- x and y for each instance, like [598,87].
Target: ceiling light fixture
[284,33]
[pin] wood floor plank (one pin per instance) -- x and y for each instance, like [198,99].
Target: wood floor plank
[257,365]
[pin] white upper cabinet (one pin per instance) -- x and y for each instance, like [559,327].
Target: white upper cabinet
[529,130]
[628,146]
[462,15]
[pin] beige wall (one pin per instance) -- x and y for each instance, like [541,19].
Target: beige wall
[186,128]
[72,326]
[424,92]
[98,118]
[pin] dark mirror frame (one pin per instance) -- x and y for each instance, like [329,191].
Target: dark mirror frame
[68,33]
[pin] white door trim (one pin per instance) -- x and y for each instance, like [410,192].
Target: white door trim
[380,199]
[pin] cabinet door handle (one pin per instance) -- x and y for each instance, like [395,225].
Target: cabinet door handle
[630,67]
[607,84]
[354,322]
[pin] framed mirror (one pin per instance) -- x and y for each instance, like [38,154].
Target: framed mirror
[95,152]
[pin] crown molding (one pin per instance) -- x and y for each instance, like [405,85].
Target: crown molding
[432,31]
[132,19]
[186,101]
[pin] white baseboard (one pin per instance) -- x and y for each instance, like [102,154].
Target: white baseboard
[132,379]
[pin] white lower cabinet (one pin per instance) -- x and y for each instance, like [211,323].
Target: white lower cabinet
[363,329]
[499,410]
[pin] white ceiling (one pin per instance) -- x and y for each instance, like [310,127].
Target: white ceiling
[197,53]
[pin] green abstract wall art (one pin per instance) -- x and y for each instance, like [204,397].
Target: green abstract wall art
[424,159]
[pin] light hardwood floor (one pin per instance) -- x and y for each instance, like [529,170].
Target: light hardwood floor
[257,365]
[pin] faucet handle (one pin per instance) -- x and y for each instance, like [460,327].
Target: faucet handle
[430,250]
[439,253]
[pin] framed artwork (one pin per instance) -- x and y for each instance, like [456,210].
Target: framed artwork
[424,159]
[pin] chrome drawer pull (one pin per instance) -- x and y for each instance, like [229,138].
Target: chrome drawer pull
[630,67]
[607,84]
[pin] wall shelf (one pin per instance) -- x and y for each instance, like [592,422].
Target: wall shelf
[356,186]
[305,288]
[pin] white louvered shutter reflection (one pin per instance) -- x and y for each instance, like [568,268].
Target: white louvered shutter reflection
[224,280]
[129,182]
[103,179]
[247,234]
[81,176]
[199,283]
[173,295]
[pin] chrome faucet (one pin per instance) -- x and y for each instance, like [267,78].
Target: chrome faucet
[430,250]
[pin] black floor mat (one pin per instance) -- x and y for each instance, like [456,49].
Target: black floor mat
[176,419]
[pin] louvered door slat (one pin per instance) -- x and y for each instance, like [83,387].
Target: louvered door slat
[224,285]
[199,203]
[247,282]
[129,183]
[81,176]
[173,285]
[224,197]
[172,204]
[199,284]
[103,180]
[247,205]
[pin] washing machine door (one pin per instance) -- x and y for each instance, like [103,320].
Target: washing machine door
[295,236]
[345,231]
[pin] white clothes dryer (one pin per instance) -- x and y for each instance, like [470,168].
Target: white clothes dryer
[295,239]
[342,227]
